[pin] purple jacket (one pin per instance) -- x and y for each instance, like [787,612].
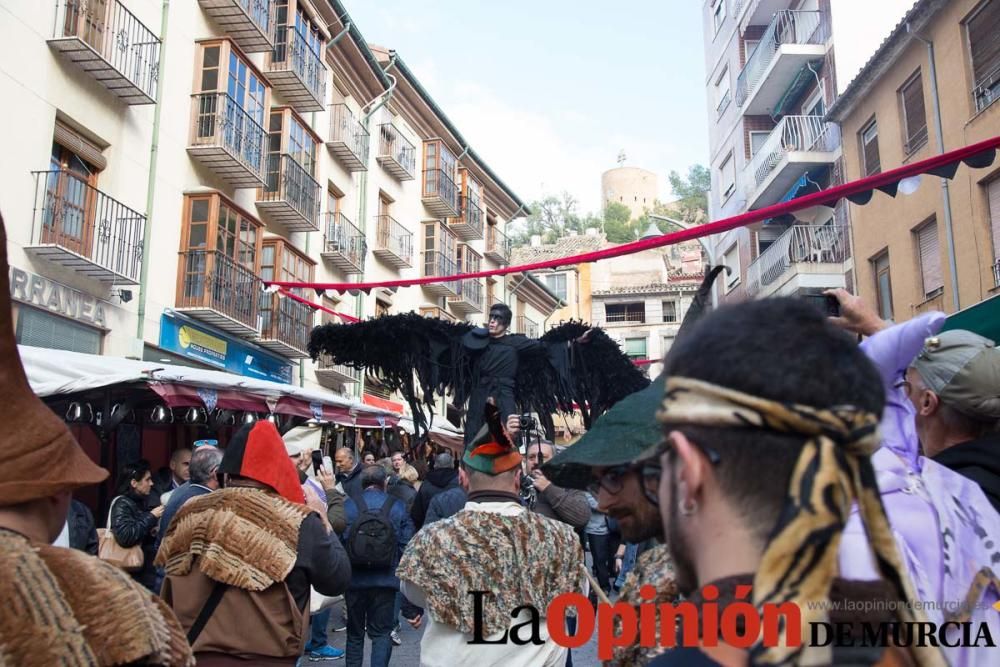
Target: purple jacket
[944,526]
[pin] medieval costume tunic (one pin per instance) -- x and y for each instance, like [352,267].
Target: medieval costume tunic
[494,545]
[655,568]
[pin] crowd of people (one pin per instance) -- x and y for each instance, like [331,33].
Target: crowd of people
[775,460]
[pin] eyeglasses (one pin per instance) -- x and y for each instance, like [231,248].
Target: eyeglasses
[612,480]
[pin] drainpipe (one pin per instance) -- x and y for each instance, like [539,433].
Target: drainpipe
[154,153]
[945,193]
[363,191]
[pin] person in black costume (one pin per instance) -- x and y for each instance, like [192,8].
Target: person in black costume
[496,355]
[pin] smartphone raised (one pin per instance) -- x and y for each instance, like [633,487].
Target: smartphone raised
[317,459]
[328,464]
[825,303]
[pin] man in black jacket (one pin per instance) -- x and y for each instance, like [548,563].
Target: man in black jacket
[953,385]
[348,471]
[82,532]
[441,478]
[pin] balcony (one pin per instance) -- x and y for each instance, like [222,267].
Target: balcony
[469,225]
[527,327]
[757,12]
[285,326]
[344,246]
[109,43]
[77,226]
[249,22]
[470,296]
[497,245]
[440,194]
[395,153]
[348,139]
[793,39]
[439,313]
[291,195]
[393,243]
[987,91]
[227,140]
[440,265]
[796,145]
[215,289]
[297,72]
[335,376]
[804,257]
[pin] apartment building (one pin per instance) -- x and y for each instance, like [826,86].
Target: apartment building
[942,57]
[570,284]
[770,80]
[165,159]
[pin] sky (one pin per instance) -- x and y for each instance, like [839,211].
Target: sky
[549,92]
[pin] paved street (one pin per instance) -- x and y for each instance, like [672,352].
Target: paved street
[408,655]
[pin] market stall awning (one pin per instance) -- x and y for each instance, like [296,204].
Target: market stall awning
[441,431]
[982,318]
[59,372]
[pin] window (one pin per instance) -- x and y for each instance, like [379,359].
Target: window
[869,149]
[718,14]
[635,348]
[757,141]
[69,216]
[929,255]
[883,285]
[669,311]
[246,88]
[722,95]
[557,283]
[626,312]
[815,106]
[491,291]
[984,49]
[381,308]
[727,177]
[439,250]
[993,197]
[911,100]
[732,259]
[749,45]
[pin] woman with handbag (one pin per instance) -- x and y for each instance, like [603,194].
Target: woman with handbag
[131,525]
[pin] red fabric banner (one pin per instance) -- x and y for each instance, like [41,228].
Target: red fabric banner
[858,189]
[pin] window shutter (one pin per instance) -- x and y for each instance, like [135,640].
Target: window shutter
[913,109]
[40,329]
[70,139]
[993,195]
[869,141]
[930,258]
[983,43]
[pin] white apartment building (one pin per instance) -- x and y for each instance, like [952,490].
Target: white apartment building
[770,80]
[163,159]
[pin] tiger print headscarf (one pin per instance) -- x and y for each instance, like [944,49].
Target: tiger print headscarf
[800,560]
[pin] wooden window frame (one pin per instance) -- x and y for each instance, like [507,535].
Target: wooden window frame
[918,139]
[922,269]
[731,190]
[877,273]
[866,169]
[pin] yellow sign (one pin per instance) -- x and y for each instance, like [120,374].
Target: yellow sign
[188,336]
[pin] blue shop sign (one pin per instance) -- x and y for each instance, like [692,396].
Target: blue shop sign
[221,351]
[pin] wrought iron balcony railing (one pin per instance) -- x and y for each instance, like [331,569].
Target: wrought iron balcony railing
[987,91]
[787,27]
[470,291]
[78,226]
[111,44]
[290,193]
[497,245]
[348,138]
[792,134]
[393,241]
[396,153]
[440,265]
[285,324]
[472,213]
[827,244]
[250,22]
[220,127]
[527,327]
[345,243]
[440,193]
[298,71]
[212,281]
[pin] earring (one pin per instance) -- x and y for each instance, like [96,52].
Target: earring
[688,508]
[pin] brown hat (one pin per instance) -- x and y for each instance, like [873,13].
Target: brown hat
[39,457]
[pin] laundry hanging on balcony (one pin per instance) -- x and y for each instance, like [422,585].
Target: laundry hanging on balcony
[859,192]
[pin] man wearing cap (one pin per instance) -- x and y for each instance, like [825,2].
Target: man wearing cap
[513,557]
[608,461]
[240,561]
[765,454]
[441,478]
[61,606]
[954,385]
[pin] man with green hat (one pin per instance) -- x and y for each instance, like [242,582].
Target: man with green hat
[472,570]
[954,385]
[607,461]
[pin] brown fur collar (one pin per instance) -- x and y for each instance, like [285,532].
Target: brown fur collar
[64,607]
[244,537]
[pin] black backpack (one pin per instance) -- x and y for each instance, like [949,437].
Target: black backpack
[371,543]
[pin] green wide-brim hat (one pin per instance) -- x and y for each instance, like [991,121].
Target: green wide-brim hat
[622,435]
